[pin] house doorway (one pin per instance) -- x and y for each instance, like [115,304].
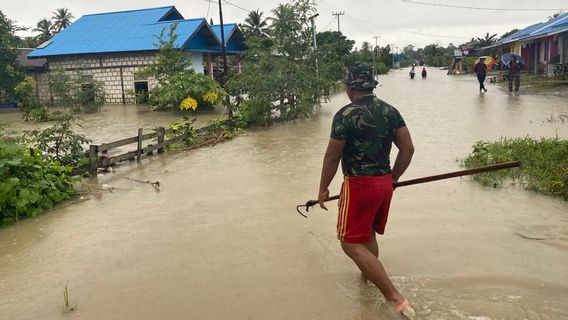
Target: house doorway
[141,91]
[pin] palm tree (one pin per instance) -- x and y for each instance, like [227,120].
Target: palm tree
[365,46]
[285,23]
[487,40]
[61,19]
[45,28]
[255,25]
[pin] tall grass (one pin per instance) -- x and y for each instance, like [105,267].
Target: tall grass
[544,163]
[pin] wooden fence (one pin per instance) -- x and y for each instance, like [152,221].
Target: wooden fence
[98,154]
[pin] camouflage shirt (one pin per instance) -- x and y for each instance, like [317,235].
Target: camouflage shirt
[368,125]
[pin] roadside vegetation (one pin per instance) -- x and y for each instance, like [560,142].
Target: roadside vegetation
[32,180]
[178,86]
[544,164]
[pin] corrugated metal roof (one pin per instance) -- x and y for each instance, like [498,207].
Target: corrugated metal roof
[551,27]
[535,31]
[229,28]
[233,37]
[128,31]
[522,33]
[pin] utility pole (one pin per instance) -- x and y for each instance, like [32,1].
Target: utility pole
[374,53]
[312,18]
[224,75]
[339,28]
[392,48]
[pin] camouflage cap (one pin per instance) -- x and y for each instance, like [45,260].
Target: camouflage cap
[360,76]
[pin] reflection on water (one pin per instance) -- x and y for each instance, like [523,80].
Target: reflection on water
[222,240]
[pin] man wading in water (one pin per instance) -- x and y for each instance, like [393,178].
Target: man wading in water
[361,137]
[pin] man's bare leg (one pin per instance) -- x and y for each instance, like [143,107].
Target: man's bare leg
[374,248]
[372,245]
[373,269]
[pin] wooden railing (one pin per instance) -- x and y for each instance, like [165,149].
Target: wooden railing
[98,154]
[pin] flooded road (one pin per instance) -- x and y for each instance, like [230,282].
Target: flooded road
[222,239]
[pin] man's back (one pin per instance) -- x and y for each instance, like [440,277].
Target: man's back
[368,126]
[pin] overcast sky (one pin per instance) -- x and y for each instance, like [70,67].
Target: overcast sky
[397,22]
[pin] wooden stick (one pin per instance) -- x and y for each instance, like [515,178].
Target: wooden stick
[493,167]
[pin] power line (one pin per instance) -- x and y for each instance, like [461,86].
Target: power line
[348,16]
[480,8]
[208,7]
[330,22]
[402,30]
[236,6]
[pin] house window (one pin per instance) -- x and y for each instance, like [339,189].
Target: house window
[141,91]
[87,79]
[88,87]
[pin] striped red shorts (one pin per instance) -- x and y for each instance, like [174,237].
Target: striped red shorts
[364,204]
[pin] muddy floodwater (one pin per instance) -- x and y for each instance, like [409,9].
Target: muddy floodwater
[114,122]
[222,239]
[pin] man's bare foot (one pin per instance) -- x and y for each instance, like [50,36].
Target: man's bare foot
[404,309]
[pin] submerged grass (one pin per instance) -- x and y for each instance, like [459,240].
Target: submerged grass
[544,163]
[66,308]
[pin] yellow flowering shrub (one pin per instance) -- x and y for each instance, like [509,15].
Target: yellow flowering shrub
[211,97]
[188,103]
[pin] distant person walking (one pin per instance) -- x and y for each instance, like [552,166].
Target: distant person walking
[412,73]
[514,73]
[424,73]
[481,71]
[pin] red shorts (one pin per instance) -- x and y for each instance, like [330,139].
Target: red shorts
[363,207]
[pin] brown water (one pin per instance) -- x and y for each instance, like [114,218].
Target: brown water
[114,122]
[222,240]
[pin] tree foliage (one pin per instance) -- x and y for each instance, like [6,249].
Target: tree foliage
[255,24]
[75,93]
[61,19]
[279,70]
[10,72]
[170,60]
[179,87]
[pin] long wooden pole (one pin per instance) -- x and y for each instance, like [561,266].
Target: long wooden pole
[493,167]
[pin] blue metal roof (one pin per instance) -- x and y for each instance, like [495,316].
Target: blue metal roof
[535,31]
[551,27]
[233,37]
[229,28]
[521,33]
[128,31]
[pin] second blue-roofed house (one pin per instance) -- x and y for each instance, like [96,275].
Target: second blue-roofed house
[543,46]
[112,47]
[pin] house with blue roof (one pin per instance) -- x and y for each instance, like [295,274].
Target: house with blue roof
[111,47]
[543,46]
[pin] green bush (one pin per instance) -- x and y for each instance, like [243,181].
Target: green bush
[381,68]
[29,184]
[25,94]
[187,90]
[544,163]
[36,115]
[59,143]
[76,94]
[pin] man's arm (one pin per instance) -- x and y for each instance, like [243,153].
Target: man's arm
[330,164]
[403,142]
